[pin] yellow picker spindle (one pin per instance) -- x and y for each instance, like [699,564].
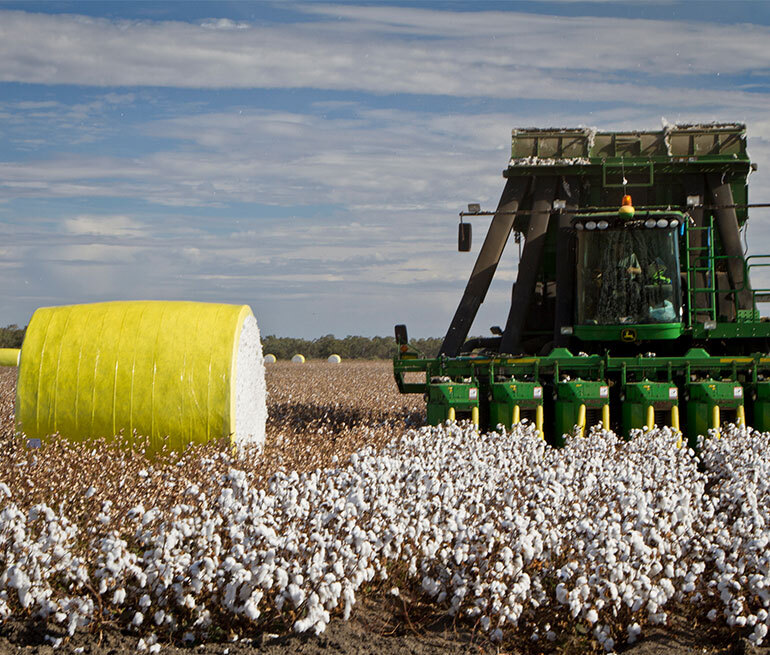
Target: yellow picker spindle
[715,422]
[741,416]
[450,415]
[539,421]
[675,424]
[650,417]
[516,415]
[606,416]
[475,416]
[581,424]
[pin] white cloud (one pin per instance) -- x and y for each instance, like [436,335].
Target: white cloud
[393,50]
[114,226]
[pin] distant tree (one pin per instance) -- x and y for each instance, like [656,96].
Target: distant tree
[12,336]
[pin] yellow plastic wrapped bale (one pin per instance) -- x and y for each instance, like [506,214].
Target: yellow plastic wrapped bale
[188,371]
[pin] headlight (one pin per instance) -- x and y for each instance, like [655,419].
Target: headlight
[650,222]
[674,222]
[578,226]
[602,225]
[590,225]
[662,222]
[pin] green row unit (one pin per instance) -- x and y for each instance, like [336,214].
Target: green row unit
[711,402]
[513,400]
[649,403]
[579,405]
[449,400]
[758,406]
[693,394]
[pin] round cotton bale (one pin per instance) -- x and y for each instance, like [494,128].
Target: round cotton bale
[191,372]
[298,359]
[334,359]
[270,359]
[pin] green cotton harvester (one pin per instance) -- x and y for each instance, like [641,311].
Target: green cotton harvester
[632,306]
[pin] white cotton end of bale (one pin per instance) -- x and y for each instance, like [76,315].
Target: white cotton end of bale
[298,359]
[334,359]
[250,388]
[270,359]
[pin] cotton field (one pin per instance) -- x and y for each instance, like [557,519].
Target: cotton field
[523,543]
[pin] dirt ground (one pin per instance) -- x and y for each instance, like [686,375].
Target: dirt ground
[373,630]
[379,624]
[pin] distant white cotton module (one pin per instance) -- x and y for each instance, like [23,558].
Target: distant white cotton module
[269,359]
[250,389]
[334,359]
[298,359]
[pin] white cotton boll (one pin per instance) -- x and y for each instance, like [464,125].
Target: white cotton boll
[250,610]
[54,641]
[634,630]
[296,595]
[119,597]
[757,637]
[138,619]
[155,648]
[592,616]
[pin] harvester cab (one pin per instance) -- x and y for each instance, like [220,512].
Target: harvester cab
[632,305]
[627,274]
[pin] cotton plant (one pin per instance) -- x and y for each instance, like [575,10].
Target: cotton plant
[498,529]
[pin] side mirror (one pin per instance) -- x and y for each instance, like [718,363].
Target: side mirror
[401,336]
[464,237]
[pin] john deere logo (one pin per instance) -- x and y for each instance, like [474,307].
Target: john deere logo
[628,334]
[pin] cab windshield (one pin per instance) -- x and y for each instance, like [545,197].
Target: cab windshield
[628,276]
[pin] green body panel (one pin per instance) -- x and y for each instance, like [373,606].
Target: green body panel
[758,400]
[638,396]
[462,396]
[570,395]
[504,396]
[623,332]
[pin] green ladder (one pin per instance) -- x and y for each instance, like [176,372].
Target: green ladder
[694,264]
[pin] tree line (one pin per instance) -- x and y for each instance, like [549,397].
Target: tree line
[11,336]
[351,347]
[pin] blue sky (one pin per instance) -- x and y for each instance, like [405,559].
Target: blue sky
[310,159]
